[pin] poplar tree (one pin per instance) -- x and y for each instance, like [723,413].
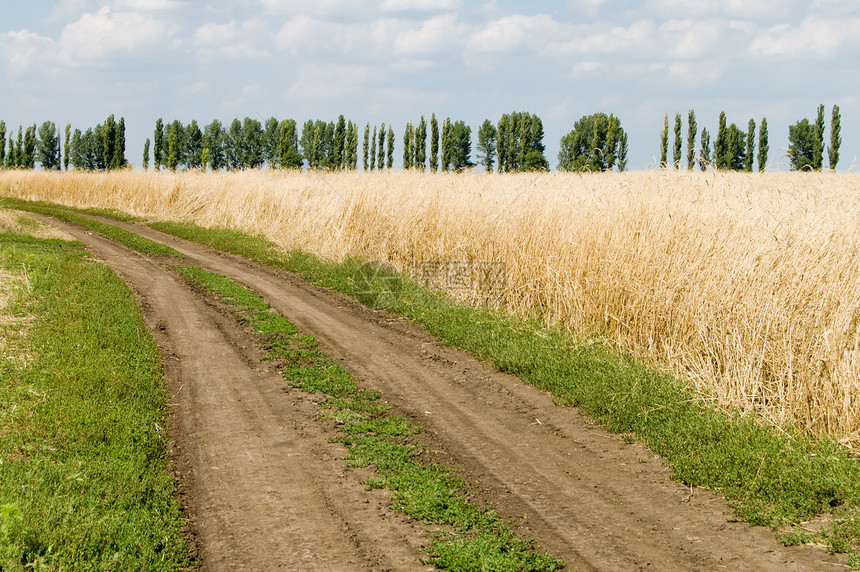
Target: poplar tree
[158,155]
[691,140]
[76,150]
[146,155]
[366,144]
[622,152]
[373,150]
[252,136]
[664,143]
[380,149]
[446,144]
[47,145]
[270,141]
[118,157]
[316,152]
[763,146]
[676,155]
[339,161]
[213,145]
[835,138]
[288,145]
[612,140]
[735,148]
[705,151]
[434,143]
[721,144]
[460,143]
[389,154]
[502,142]
[818,148]
[487,145]
[535,157]
[174,145]
[349,149]
[2,144]
[109,132]
[750,147]
[408,135]
[29,149]
[66,145]
[18,153]
[193,139]
[595,149]
[420,145]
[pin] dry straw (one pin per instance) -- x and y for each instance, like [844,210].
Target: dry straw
[747,285]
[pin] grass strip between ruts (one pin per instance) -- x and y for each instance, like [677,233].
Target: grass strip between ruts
[83,445]
[478,539]
[127,238]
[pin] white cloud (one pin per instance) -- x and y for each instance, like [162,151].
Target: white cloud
[688,39]
[435,34]
[688,72]
[739,8]
[22,49]
[143,5]
[639,38]
[509,33]
[231,41]
[419,5]
[95,36]
[310,36]
[318,7]
[814,37]
[212,33]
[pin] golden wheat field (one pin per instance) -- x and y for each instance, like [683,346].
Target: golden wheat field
[746,285]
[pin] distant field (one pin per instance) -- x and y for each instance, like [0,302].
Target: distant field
[747,285]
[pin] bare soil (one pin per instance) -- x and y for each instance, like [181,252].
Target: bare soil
[265,489]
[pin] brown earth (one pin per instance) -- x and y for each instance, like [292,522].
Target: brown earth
[266,490]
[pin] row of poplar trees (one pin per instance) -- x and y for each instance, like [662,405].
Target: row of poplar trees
[516,144]
[450,148]
[98,148]
[734,149]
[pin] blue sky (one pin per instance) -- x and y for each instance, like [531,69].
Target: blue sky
[77,61]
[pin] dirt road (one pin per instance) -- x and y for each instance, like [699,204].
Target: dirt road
[266,490]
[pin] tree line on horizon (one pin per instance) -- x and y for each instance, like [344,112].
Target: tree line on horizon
[737,150]
[597,142]
[98,148]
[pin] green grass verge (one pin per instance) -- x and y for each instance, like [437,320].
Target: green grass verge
[774,479]
[129,239]
[477,539]
[83,479]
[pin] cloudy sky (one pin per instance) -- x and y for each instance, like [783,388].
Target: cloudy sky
[77,61]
